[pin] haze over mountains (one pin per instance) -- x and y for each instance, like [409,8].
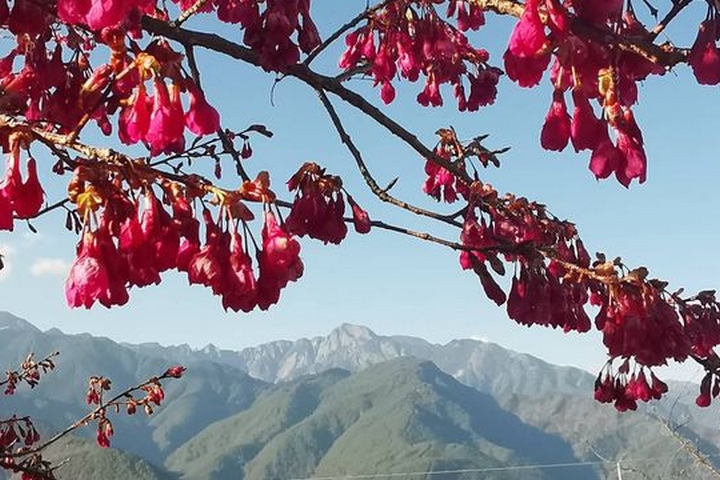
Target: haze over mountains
[350,403]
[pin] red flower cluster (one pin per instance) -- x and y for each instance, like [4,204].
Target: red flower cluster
[67,93]
[636,321]
[160,120]
[319,206]
[269,33]
[625,389]
[539,297]
[413,42]
[223,265]
[15,431]
[279,262]
[105,432]
[702,323]
[593,72]
[540,294]
[132,244]
[441,183]
[99,14]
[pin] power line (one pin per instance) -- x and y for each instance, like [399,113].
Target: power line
[460,470]
[487,469]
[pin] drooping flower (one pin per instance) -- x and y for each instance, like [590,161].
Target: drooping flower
[207,266]
[704,57]
[241,292]
[107,13]
[483,88]
[201,118]
[526,71]
[585,127]
[73,12]
[134,118]
[88,279]
[606,158]
[279,262]
[361,220]
[528,36]
[165,130]
[555,133]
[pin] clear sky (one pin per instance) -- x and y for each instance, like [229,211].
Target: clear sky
[397,285]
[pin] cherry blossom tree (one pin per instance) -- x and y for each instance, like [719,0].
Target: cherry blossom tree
[128,69]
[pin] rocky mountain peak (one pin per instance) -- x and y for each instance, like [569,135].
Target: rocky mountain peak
[349,334]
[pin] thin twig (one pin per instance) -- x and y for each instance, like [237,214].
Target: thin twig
[49,208]
[689,448]
[422,236]
[185,16]
[677,7]
[91,415]
[382,194]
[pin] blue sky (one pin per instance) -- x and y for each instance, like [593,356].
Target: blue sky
[397,285]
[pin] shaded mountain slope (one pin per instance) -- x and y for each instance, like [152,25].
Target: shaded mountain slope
[403,415]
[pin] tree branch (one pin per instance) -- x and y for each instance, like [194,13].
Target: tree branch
[92,415]
[382,194]
[678,6]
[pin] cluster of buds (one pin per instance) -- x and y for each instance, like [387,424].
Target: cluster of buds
[625,389]
[153,395]
[410,38]
[15,432]
[31,467]
[440,183]
[18,436]
[319,206]
[29,373]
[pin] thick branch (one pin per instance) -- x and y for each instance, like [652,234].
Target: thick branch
[302,72]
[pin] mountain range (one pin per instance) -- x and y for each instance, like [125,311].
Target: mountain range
[347,404]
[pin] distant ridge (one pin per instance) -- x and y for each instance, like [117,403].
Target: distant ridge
[351,402]
[483,365]
[10,321]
